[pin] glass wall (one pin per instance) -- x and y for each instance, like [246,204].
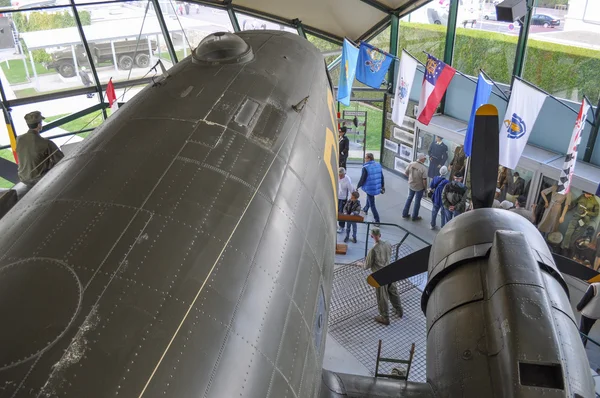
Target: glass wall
[569,222]
[249,22]
[484,43]
[562,55]
[47,54]
[425,30]
[199,21]
[113,39]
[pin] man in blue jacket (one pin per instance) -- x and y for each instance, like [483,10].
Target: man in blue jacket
[371,181]
[437,187]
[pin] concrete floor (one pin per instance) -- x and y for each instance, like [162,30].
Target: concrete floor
[390,206]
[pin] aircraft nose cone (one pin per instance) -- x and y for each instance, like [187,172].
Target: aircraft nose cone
[39,299]
[222,48]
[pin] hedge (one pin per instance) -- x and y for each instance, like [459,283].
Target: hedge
[566,71]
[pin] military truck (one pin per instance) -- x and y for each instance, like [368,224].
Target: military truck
[102,53]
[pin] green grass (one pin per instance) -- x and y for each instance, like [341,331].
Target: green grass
[16,73]
[179,53]
[5,183]
[89,121]
[32,92]
[374,121]
[7,154]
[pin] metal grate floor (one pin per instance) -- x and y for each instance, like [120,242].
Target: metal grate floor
[353,307]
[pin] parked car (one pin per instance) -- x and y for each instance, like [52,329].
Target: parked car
[491,16]
[125,51]
[544,20]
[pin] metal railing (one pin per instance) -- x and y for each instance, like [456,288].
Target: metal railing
[360,220]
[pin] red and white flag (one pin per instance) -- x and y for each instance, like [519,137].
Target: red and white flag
[111,96]
[566,174]
[436,80]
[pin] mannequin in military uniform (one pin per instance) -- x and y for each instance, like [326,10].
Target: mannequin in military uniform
[36,154]
[457,165]
[585,209]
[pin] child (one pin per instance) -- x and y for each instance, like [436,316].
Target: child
[352,208]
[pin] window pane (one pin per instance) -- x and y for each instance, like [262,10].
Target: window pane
[249,22]
[483,43]
[331,51]
[425,30]
[198,21]
[562,52]
[48,48]
[113,39]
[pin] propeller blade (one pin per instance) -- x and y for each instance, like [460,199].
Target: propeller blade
[484,157]
[411,265]
[573,268]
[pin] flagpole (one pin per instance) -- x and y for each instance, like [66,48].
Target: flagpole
[494,83]
[551,96]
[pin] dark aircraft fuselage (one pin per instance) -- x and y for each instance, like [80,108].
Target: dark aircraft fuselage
[186,248]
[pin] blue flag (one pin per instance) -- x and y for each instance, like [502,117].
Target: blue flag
[482,96]
[347,72]
[372,65]
[598,190]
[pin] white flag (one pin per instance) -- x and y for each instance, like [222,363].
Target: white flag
[523,109]
[566,174]
[404,81]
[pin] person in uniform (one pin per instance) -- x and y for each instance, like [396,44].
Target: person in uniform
[377,258]
[457,165]
[516,187]
[589,306]
[36,154]
[586,207]
[438,154]
[344,146]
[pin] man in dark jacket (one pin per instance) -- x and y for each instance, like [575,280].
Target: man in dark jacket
[516,187]
[36,154]
[454,197]
[438,154]
[344,146]
[371,181]
[437,187]
[85,80]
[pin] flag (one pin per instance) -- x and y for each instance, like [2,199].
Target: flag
[372,65]
[404,80]
[435,82]
[347,72]
[598,190]
[482,96]
[111,96]
[566,174]
[523,109]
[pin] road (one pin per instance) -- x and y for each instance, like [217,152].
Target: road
[511,28]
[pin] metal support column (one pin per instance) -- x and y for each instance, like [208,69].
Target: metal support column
[75,62]
[114,54]
[233,17]
[522,43]
[90,57]
[450,39]
[35,76]
[451,32]
[299,27]
[10,126]
[383,119]
[165,31]
[395,22]
[589,149]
